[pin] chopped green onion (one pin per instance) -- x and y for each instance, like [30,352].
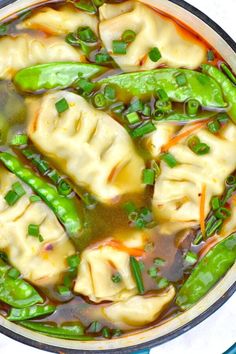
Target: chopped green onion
[3,29]
[215,203]
[118,107]
[181,79]
[162,95]
[23,15]
[146,110]
[201,149]
[41,164]
[163,107]
[13,273]
[228,195]
[11,197]
[210,55]
[192,107]
[169,159]
[85,5]
[68,281]
[119,47]
[100,100]
[190,258]
[214,227]
[135,106]
[72,40]
[154,54]
[152,272]
[85,85]
[106,332]
[102,58]
[148,176]
[35,198]
[95,327]
[110,92]
[54,176]
[228,72]
[18,188]
[86,34]
[117,332]
[19,139]
[73,261]
[214,126]
[136,271]
[162,282]
[143,129]
[128,36]
[159,262]
[133,118]
[223,213]
[231,180]
[222,118]
[61,105]
[193,141]
[129,207]
[40,237]
[33,230]
[116,278]
[63,290]
[64,188]
[89,200]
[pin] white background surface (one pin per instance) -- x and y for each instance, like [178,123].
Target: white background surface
[217,333]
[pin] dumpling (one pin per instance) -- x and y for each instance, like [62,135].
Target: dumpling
[98,264]
[23,50]
[59,21]
[88,145]
[177,48]
[39,262]
[138,310]
[177,194]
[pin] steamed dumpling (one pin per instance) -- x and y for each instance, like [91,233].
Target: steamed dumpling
[39,262]
[23,50]
[152,30]
[88,145]
[177,194]
[59,21]
[138,310]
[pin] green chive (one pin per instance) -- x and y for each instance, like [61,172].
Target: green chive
[18,188]
[128,36]
[141,266]
[228,72]
[201,149]
[99,100]
[85,5]
[73,261]
[19,139]
[102,58]
[72,40]
[193,141]
[181,79]
[231,180]
[63,290]
[34,198]
[64,188]
[135,268]
[210,55]
[213,126]
[106,332]
[117,332]
[163,107]
[169,159]
[133,118]
[116,278]
[154,54]
[152,272]
[215,203]
[135,106]
[129,207]
[118,107]
[148,176]
[222,118]
[110,92]
[119,47]
[215,227]
[192,107]
[143,129]
[61,105]
[159,262]
[3,29]
[95,327]
[41,164]
[85,85]
[190,258]
[162,95]
[86,34]
[223,213]
[68,281]
[54,176]
[33,230]
[11,197]
[162,282]
[13,273]
[146,110]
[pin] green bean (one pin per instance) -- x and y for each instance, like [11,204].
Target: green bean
[54,75]
[30,312]
[63,207]
[207,272]
[68,330]
[228,88]
[135,268]
[16,292]
[198,86]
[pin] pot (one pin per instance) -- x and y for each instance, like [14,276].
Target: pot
[145,339]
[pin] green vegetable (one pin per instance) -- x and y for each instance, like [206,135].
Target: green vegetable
[62,207]
[85,85]
[19,139]
[63,290]
[228,72]
[106,332]
[201,149]
[86,34]
[192,107]
[128,36]
[64,188]
[95,327]
[13,273]
[199,86]
[3,29]
[99,100]
[68,330]
[148,176]
[136,271]
[231,180]
[54,75]
[159,262]
[133,118]
[181,79]
[222,213]
[85,5]
[11,197]
[143,129]
[214,126]
[102,57]
[33,230]
[30,312]
[119,47]
[116,278]
[207,272]
[73,261]
[169,159]
[228,88]
[154,54]
[16,292]
[110,92]
[190,257]
[152,272]
[62,105]
[215,203]
[162,282]
[210,55]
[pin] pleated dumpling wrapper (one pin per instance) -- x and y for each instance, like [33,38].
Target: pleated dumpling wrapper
[88,145]
[153,30]
[24,50]
[39,262]
[59,21]
[183,192]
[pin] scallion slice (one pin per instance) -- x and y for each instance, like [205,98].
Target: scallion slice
[154,54]
[169,159]
[73,261]
[162,95]
[181,79]
[72,40]
[85,85]
[63,290]
[190,258]
[64,188]
[222,213]
[148,176]
[162,282]
[3,29]
[110,92]
[13,273]
[85,5]
[210,55]
[215,203]
[106,332]
[159,262]
[133,118]
[136,271]
[62,105]
[33,230]
[11,197]
[19,139]
[18,188]
[101,58]
[192,107]
[152,272]
[116,278]
[34,198]
[146,110]
[119,47]
[201,149]
[86,34]
[214,126]
[143,129]
[231,180]
[100,100]
[128,36]
[129,207]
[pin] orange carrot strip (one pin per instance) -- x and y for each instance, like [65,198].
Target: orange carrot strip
[136,252]
[202,209]
[183,135]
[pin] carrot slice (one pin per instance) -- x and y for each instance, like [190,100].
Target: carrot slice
[183,135]
[136,252]
[202,209]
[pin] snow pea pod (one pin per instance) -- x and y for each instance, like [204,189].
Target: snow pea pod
[16,292]
[67,330]
[30,312]
[63,207]
[54,75]
[228,88]
[207,272]
[195,85]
